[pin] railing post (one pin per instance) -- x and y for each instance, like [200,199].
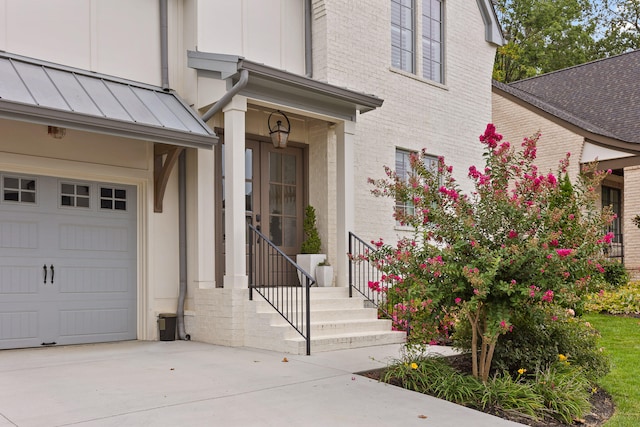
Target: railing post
[251,280]
[308,315]
[350,255]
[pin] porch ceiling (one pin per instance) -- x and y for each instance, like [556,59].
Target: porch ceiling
[41,92]
[284,88]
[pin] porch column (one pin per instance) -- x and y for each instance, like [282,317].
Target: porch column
[235,227]
[205,219]
[345,135]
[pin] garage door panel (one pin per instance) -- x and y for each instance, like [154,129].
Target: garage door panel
[94,238]
[97,321]
[18,325]
[20,279]
[94,280]
[18,234]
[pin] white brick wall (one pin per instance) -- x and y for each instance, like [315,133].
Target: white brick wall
[355,52]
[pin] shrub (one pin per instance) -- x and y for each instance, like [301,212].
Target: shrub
[615,273]
[538,336]
[560,391]
[311,243]
[624,300]
[524,240]
[565,391]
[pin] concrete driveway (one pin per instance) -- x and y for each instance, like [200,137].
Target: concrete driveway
[181,383]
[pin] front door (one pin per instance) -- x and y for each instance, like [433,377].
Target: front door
[273,197]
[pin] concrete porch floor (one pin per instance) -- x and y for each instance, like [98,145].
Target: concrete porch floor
[181,383]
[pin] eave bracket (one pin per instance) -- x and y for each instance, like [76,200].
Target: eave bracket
[165,158]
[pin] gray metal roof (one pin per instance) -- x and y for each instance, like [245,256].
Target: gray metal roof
[41,92]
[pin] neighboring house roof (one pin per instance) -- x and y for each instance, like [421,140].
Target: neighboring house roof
[600,97]
[51,94]
[282,87]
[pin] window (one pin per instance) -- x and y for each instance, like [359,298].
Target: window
[613,197]
[402,37]
[408,25]
[113,199]
[403,170]
[432,40]
[74,195]
[20,190]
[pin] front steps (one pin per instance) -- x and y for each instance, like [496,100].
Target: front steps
[337,323]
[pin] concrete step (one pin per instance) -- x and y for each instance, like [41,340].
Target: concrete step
[335,327]
[346,341]
[337,322]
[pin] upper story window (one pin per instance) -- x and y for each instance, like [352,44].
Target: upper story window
[402,35]
[432,40]
[413,21]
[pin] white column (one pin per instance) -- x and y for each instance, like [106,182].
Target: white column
[345,135]
[235,227]
[206,219]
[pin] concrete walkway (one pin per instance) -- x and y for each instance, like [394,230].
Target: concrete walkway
[178,383]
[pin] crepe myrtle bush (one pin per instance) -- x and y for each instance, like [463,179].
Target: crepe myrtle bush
[523,240]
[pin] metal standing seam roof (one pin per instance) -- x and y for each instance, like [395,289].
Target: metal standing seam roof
[40,92]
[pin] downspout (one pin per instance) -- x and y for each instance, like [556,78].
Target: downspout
[164,45]
[182,241]
[226,98]
[308,55]
[182,186]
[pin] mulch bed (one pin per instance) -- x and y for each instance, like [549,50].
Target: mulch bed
[602,407]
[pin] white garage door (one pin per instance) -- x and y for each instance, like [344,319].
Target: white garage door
[67,261]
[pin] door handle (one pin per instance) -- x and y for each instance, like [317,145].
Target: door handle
[44,267]
[52,273]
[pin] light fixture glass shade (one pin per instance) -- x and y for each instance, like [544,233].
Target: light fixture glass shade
[279,133]
[279,136]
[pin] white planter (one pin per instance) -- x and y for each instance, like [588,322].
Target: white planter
[309,262]
[324,275]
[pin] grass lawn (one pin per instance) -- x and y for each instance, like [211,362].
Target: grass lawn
[621,339]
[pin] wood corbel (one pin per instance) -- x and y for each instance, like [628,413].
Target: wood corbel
[165,158]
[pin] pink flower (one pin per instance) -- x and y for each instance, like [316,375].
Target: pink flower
[554,242]
[572,217]
[564,252]
[548,296]
[458,300]
[608,237]
[513,234]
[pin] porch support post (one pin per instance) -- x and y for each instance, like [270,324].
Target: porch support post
[235,223]
[345,135]
[206,219]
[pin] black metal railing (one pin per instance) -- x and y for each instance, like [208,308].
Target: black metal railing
[363,277]
[280,281]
